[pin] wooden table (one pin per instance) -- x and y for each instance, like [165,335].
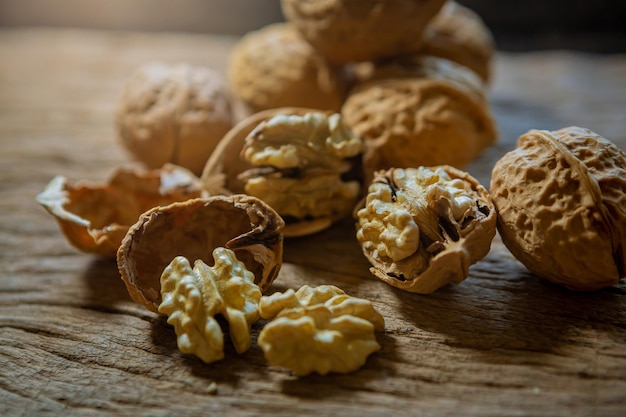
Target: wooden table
[502,343]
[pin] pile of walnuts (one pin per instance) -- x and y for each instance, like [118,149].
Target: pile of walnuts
[349,108]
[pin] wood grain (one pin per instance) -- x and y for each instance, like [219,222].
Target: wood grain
[502,343]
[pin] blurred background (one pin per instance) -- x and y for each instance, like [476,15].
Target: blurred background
[586,25]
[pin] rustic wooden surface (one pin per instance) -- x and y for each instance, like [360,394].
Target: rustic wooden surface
[502,343]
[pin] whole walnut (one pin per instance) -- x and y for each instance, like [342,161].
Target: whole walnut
[173,113]
[275,67]
[355,30]
[561,202]
[419,111]
[459,34]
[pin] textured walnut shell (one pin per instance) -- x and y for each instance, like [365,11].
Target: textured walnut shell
[561,200]
[420,111]
[193,229]
[459,34]
[446,260]
[94,217]
[356,30]
[275,67]
[221,174]
[173,113]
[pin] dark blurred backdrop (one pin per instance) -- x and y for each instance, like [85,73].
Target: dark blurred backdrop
[588,25]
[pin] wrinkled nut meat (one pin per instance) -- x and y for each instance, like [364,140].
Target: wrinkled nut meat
[419,111]
[94,217]
[355,30]
[304,163]
[319,329]
[275,67]
[459,34]
[173,113]
[561,201]
[422,228]
[193,229]
[192,297]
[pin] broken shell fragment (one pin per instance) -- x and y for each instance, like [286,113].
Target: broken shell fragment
[94,217]
[193,229]
[422,228]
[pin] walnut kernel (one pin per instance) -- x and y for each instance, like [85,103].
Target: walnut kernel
[192,297]
[319,329]
[422,228]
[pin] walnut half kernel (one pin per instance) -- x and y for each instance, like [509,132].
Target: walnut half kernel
[319,329]
[303,166]
[192,297]
[422,228]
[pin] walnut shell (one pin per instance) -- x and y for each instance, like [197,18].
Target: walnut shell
[422,228]
[459,34]
[94,217]
[420,111]
[173,113]
[275,67]
[228,172]
[193,229]
[356,30]
[561,200]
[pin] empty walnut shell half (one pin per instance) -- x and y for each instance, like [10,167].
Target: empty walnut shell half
[561,201]
[422,228]
[355,30]
[305,163]
[193,229]
[275,67]
[420,111]
[94,217]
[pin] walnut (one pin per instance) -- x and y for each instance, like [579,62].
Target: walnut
[173,113]
[319,330]
[193,297]
[94,217]
[561,202]
[193,229]
[356,30]
[420,111]
[302,162]
[275,67]
[459,34]
[422,228]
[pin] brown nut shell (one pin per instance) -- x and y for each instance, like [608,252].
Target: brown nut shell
[275,67]
[355,30]
[561,201]
[420,111]
[173,113]
[193,229]
[94,217]
[422,228]
[459,34]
